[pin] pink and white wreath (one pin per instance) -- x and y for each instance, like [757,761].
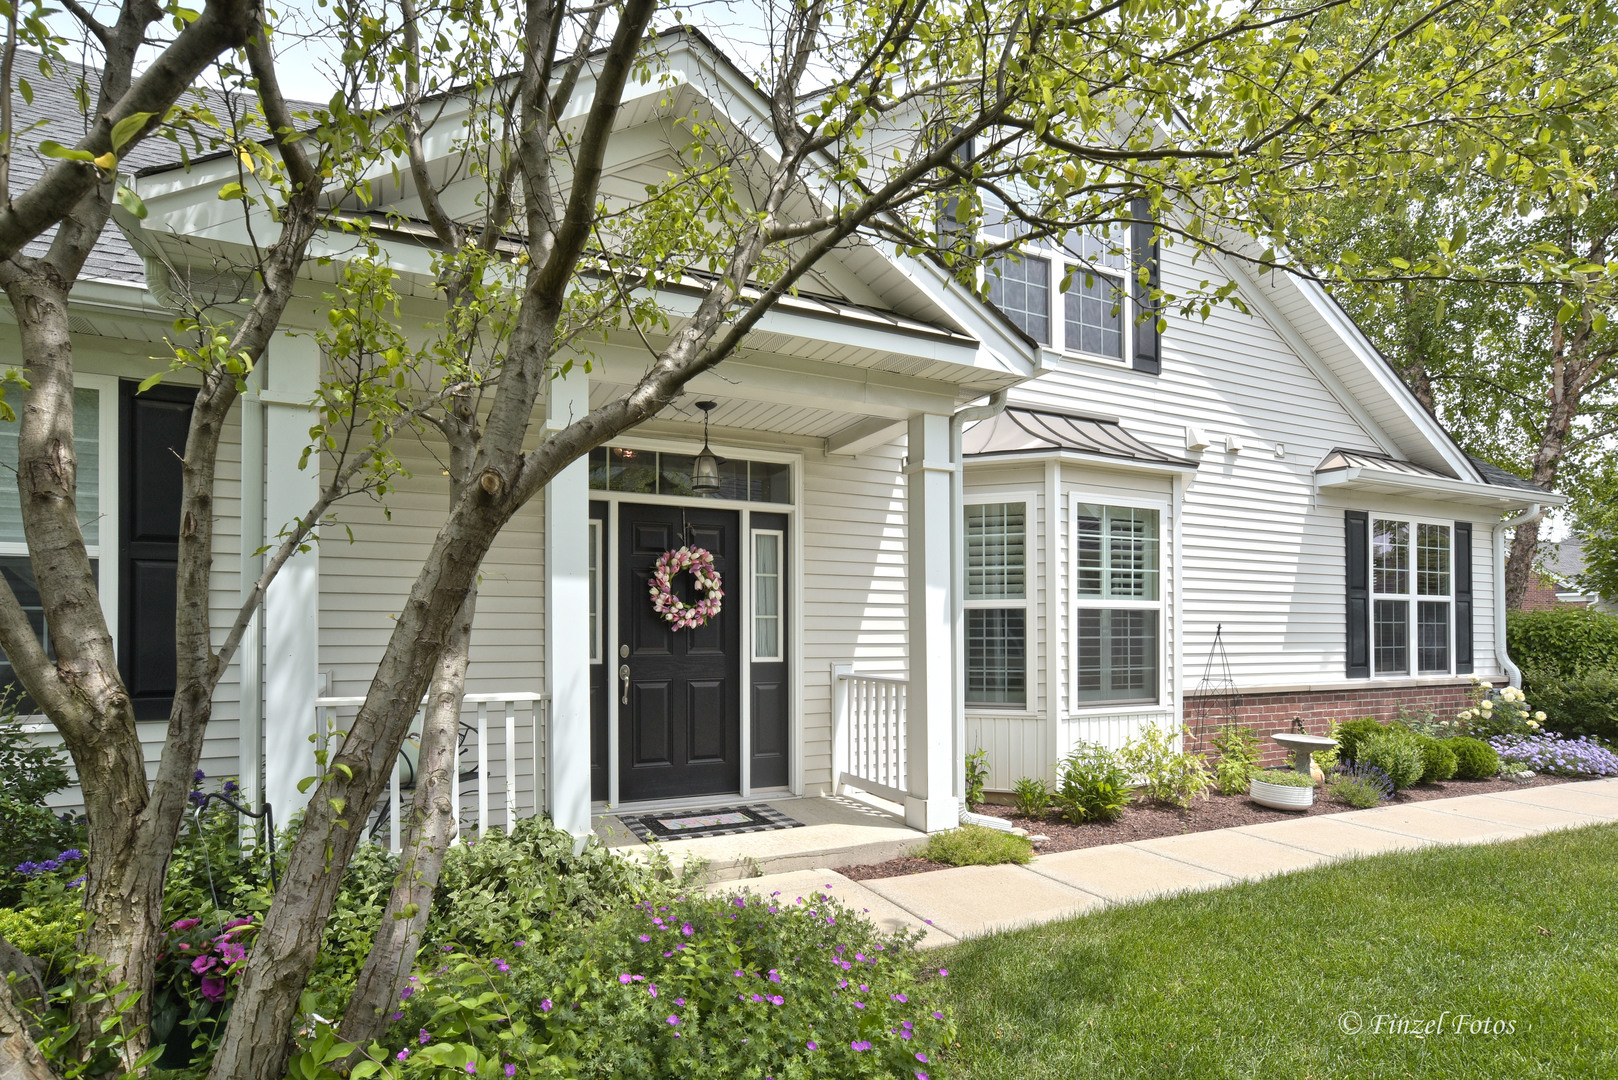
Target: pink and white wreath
[676,612]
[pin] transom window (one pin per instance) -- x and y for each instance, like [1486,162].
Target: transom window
[1094,305]
[1412,597]
[1118,605]
[996,603]
[651,472]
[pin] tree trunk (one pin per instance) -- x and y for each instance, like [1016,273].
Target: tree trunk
[1520,564]
[20,1059]
[432,825]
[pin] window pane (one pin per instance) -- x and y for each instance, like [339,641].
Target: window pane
[996,656]
[1432,560]
[87,447]
[595,591]
[598,468]
[770,482]
[1021,288]
[1117,553]
[766,596]
[1117,655]
[1392,637]
[1432,636]
[634,471]
[1390,557]
[1094,315]
[674,474]
[19,574]
[995,551]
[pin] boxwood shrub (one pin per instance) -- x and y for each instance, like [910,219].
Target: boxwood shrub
[1439,759]
[1474,759]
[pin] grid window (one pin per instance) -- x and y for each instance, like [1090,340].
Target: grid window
[1412,585]
[1117,615]
[595,592]
[1094,315]
[996,536]
[1021,289]
[766,596]
[997,604]
[15,564]
[996,656]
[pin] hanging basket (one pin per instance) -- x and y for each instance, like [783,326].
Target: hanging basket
[676,612]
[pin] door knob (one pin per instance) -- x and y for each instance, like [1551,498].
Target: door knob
[623,673]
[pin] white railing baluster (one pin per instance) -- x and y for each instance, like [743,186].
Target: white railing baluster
[511,765]
[483,768]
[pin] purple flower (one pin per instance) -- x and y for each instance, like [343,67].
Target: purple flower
[201,964]
[679,1001]
[472,1068]
[519,943]
[651,988]
[900,998]
[199,776]
[545,1005]
[775,976]
[76,882]
[812,1045]
[511,1070]
[859,1045]
[674,1021]
[938,1016]
[943,971]
[501,965]
[404,994]
[402,1055]
[72,854]
[778,1000]
[686,929]
[423,1036]
[213,988]
[646,937]
[624,978]
[921,1057]
[185,924]
[397,1016]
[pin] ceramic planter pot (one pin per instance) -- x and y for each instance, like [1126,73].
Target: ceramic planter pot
[1280,796]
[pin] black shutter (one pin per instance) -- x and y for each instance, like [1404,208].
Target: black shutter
[1357,576]
[151,435]
[1463,597]
[1148,357]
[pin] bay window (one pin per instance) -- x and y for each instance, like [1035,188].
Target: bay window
[1118,608]
[996,603]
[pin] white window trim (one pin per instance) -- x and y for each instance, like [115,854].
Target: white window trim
[1059,261]
[105,553]
[780,595]
[1030,587]
[1163,508]
[1410,598]
[596,534]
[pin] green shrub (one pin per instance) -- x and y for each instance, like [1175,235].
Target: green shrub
[1584,703]
[29,774]
[1033,797]
[1238,750]
[976,845]
[1327,759]
[700,986]
[47,926]
[1395,752]
[1563,641]
[1166,775]
[1285,777]
[1499,711]
[1439,760]
[977,774]
[1350,732]
[1092,784]
[1360,786]
[1474,759]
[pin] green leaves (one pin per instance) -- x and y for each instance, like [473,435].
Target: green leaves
[127,128]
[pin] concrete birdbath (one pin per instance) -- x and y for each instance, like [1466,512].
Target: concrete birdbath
[1302,746]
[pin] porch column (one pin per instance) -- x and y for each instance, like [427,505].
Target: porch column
[292,604]
[567,606]
[930,804]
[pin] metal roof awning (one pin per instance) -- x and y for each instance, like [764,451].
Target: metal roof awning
[1020,432]
[1360,470]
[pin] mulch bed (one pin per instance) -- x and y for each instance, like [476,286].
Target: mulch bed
[1144,821]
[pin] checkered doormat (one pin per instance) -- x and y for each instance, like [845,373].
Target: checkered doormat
[724,821]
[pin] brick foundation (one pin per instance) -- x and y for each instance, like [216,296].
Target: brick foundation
[1264,713]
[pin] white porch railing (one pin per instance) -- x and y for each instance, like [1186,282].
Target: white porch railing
[514,758]
[868,732]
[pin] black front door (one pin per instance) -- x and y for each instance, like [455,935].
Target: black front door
[679,719]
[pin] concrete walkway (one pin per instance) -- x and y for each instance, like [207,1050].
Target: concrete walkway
[966,901]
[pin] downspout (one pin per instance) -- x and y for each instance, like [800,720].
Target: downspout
[1513,672]
[957,554]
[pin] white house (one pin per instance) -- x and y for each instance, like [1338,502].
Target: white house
[911,573]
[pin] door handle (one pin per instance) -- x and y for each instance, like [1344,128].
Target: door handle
[623,673]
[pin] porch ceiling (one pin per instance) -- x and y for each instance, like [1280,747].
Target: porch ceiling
[736,417]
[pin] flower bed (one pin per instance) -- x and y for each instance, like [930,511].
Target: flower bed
[1583,758]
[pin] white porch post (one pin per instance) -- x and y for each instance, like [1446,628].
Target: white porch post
[567,605]
[930,804]
[292,605]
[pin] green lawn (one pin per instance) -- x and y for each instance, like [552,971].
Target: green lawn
[1254,981]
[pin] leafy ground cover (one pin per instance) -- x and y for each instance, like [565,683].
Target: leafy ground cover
[1491,961]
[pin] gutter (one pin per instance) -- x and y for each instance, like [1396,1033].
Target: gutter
[1533,513]
[957,552]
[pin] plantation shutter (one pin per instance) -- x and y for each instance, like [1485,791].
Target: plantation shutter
[1357,576]
[1463,597]
[1147,357]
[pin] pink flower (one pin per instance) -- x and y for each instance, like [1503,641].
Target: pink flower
[679,1001]
[812,1045]
[201,964]
[213,988]
[943,971]
[645,937]
[545,1005]
[403,1055]
[471,1068]
[921,1057]
[624,978]
[859,1045]
[674,1021]
[511,1070]
[501,965]
[185,924]
[778,1000]
[423,1036]
[652,989]
[900,998]
[686,930]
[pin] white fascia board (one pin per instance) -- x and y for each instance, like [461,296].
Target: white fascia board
[1333,315]
[1390,483]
